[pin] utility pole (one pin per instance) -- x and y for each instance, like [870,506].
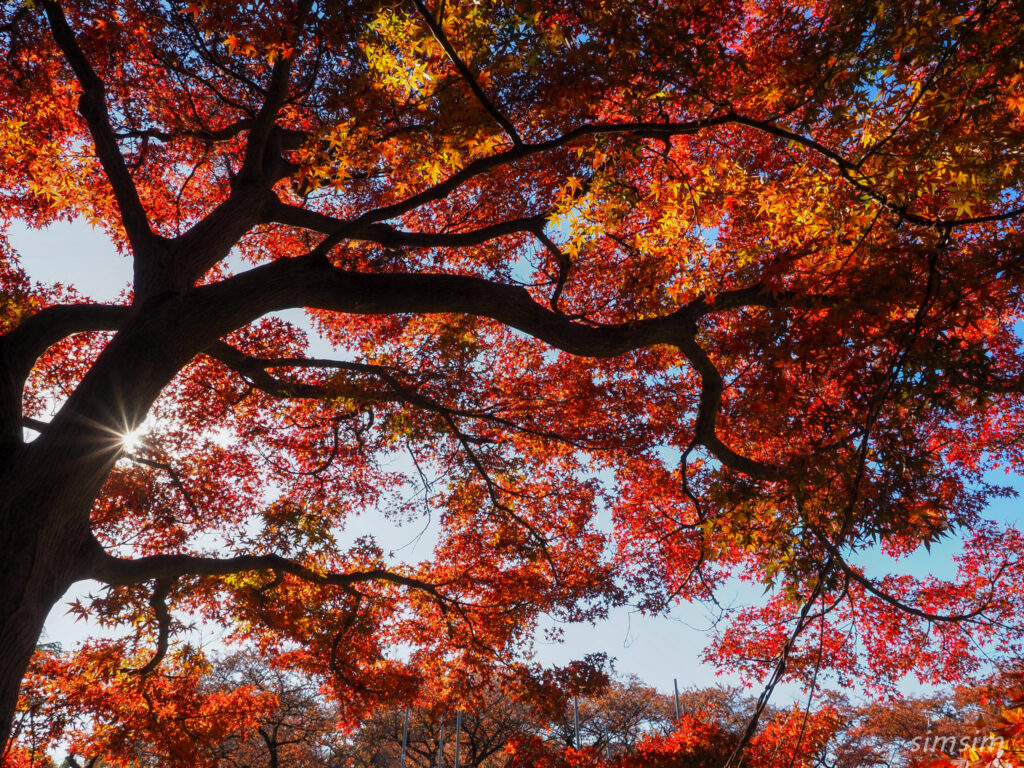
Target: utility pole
[405,736]
[576,720]
[458,735]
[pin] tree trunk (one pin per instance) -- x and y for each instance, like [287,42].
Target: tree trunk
[45,546]
[22,614]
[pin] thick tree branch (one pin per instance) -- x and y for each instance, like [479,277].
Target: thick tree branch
[276,92]
[93,106]
[712,388]
[22,346]
[564,265]
[300,282]
[211,239]
[147,352]
[122,572]
[33,336]
[390,237]
[34,424]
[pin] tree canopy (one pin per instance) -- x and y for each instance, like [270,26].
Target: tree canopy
[627,298]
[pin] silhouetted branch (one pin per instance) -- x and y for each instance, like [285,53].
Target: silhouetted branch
[158,601]
[93,106]
[437,30]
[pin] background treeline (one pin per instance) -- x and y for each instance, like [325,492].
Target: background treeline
[240,712]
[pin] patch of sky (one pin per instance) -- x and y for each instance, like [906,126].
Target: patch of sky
[938,559]
[73,254]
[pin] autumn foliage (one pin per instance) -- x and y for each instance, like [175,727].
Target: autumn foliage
[696,742]
[614,301]
[240,711]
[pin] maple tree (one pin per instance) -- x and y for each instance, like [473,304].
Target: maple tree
[745,274]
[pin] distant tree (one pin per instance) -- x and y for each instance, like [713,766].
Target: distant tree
[900,733]
[301,730]
[487,727]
